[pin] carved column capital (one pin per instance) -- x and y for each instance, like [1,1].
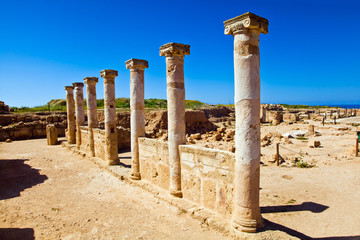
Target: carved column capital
[108,73]
[69,88]
[136,64]
[245,21]
[171,49]
[90,79]
[78,85]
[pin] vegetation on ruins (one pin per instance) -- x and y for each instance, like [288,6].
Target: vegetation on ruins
[122,103]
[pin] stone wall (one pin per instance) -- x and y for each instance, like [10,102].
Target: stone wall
[290,117]
[207,174]
[207,177]
[154,162]
[123,136]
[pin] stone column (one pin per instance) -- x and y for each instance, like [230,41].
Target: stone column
[246,29]
[111,148]
[70,108]
[79,110]
[174,54]
[91,110]
[91,101]
[137,105]
[79,103]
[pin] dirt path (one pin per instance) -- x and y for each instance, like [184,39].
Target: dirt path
[46,192]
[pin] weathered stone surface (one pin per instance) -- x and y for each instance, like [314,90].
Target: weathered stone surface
[51,134]
[137,107]
[70,108]
[174,53]
[246,29]
[111,150]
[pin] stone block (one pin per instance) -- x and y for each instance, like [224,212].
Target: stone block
[208,190]
[191,186]
[51,134]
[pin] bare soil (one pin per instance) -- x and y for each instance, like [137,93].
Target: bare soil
[47,192]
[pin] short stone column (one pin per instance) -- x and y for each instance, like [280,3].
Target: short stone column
[174,54]
[51,134]
[246,29]
[137,106]
[111,148]
[91,110]
[70,108]
[79,110]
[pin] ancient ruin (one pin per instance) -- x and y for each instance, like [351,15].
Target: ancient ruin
[137,68]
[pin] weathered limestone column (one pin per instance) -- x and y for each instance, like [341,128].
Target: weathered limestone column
[79,110]
[79,102]
[137,105]
[111,148]
[91,109]
[174,54]
[70,108]
[246,29]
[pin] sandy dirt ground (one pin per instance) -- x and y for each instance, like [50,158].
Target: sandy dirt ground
[47,192]
[50,193]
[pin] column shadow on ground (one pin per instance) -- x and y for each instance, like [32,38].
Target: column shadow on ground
[305,206]
[17,233]
[16,176]
[275,226]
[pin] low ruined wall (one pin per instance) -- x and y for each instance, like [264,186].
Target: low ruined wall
[207,175]
[154,162]
[290,117]
[123,136]
[28,131]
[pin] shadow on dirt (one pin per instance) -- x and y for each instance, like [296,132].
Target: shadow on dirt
[17,233]
[16,176]
[305,206]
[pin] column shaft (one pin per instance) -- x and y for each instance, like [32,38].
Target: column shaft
[91,110]
[70,108]
[137,123]
[79,110]
[246,29]
[111,148]
[174,53]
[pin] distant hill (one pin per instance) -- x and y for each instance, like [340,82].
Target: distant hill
[123,103]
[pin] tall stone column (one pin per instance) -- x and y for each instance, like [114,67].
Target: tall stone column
[174,54]
[111,148]
[91,109]
[137,105]
[79,103]
[246,29]
[79,110]
[70,108]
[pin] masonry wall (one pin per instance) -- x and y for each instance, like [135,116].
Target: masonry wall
[99,140]
[207,177]
[154,162]
[207,174]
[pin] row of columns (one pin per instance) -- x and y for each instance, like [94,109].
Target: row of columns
[245,29]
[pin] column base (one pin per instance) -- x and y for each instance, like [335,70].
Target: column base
[113,162]
[247,225]
[176,193]
[135,176]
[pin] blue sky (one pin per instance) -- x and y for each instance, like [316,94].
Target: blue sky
[310,55]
